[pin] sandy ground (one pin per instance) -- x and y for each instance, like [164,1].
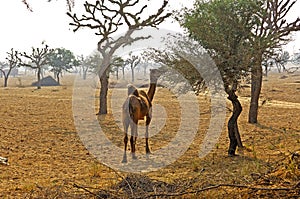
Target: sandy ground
[47,157]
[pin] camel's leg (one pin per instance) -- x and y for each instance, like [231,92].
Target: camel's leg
[148,120]
[133,137]
[126,124]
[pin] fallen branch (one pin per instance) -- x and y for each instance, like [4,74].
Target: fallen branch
[123,178]
[84,189]
[222,185]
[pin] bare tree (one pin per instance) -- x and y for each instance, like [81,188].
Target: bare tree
[133,61]
[12,62]
[281,59]
[39,57]
[272,32]
[83,67]
[107,18]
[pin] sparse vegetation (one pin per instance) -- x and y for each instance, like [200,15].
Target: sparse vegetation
[47,159]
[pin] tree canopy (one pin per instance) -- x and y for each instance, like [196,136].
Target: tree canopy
[61,60]
[224,29]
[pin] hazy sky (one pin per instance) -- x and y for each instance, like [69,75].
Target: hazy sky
[22,29]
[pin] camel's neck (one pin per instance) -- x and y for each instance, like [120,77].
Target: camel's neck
[151,91]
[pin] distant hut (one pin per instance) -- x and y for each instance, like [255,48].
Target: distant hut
[47,81]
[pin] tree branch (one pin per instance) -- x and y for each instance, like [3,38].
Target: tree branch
[274,27]
[219,186]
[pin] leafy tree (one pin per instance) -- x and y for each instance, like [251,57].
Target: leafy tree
[92,62]
[61,60]
[12,62]
[223,28]
[268,30]
[108,18]
[296,58]
[37,59]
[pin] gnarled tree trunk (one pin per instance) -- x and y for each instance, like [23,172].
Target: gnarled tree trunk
[233,130]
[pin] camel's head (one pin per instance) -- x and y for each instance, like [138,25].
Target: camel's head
[155,74]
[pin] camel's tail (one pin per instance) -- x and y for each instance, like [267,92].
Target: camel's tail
[128,108]
[131,109]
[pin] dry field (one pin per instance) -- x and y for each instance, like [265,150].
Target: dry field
[48,160]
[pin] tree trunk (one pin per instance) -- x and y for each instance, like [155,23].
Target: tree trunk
[5,80]
[117,74]
[57,77]
[39,78]
[123,72]
[84,74]
[256,83]
[132,74]
[266,70]
[233,130]
[103,93]
[6,76]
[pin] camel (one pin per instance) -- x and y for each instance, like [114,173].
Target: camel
[138,107]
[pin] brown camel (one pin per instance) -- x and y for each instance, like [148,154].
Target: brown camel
[136,107]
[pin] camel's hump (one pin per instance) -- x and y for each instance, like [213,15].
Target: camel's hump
[132,90]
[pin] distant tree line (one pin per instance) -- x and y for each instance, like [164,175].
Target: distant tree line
[59,60]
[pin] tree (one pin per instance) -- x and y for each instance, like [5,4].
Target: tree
[123,66]
[12,62]
[144,66]
[83,69]
[38,58]
[93,62]
[108,18]
[280,60]
[132,61]
[223,28]
[296,58]
[61,59]
[271,32]
[118,62]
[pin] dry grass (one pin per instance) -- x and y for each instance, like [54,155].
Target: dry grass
[47,158]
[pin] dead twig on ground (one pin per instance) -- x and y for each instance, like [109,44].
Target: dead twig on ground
[84,189]
[293,188]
